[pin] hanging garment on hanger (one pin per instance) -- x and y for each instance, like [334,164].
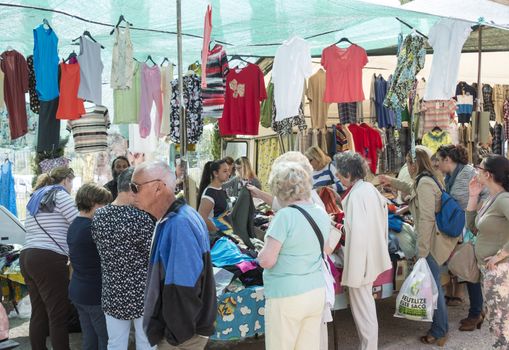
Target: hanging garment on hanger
[69,105]
[150,93]
[48,135]
[385,117]
[194,107]
[285,126]
[500,94]
[266,107]
[122,63]
[506,119]
[497,142]
[91,68]
[360,138]
[34,99]
[292,65]
[434,139]
[46,63]
[372,100]
[207,30]
[465,106]
[315,92]
[7,191]
[487,96]
[438,113]
[411,59]
[15,68]
[347,112]
[90,132]
[481,127]
[446,37]
[166,78]
[374,145]
[213,94]
[453,131]
[344,73]
[2,102]
[245,89]
[126,102]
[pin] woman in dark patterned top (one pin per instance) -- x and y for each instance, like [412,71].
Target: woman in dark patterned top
[123,235]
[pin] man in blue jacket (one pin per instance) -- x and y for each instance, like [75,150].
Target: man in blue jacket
[180,299]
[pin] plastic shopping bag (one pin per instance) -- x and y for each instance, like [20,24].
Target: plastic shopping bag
[418,296]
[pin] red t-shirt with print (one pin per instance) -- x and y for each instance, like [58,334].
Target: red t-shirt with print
[245,89]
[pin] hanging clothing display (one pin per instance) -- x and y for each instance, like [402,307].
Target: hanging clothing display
[506,119]
[268,150]
[315,93]
[213,94]
[285,126]
[267,106]
[34,99]
[15,69]
[69,105]
[360,139]
[7,191]
[166,78]
[28,140]
[374,146]
[245,89]
[91,68]
[446,37]
[437,113]
[2,102]
[207,30]
[46,63]
[292,65]
[122,63]
[344,73]
[434,139]
[90,132]
[481,127]
[194,106]
[385,118]
[500,94]
[126,102]
[411,59]
[465,106]
[487,96]
[497,142]
[48,135]
[347,112]
[150,94]
[454,132]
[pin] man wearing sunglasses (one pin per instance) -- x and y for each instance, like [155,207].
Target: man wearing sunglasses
[179,312]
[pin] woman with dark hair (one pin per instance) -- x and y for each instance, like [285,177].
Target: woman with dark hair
[453,162]
[44,257]
[432,244]
[119,164]
[492,246]
[212,199]
[231,165]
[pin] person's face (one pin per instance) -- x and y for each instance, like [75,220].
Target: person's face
[148,190]
[482,174]
[223,174]
[345,181]
[444,164]
[314,163]
[238,170]
[119,166]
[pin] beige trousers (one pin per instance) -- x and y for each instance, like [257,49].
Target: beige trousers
[293,323]
[198,342]
[363,308]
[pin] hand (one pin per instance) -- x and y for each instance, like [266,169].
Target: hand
[255,191]
[495,259]
[385,180]
[475,187]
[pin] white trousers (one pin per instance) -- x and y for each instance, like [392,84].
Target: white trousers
[363,308]
[293,323]
[118,334]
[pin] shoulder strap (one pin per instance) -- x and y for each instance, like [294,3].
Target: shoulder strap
[46,232]
[434,179]
[313,225]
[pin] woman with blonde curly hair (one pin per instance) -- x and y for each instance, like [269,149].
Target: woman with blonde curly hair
[293,279]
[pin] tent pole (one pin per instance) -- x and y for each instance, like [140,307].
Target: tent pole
[479,85]
[183,123]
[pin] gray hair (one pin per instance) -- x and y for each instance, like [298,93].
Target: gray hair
[124,179]
[290,182]
[351,164]
[159,169]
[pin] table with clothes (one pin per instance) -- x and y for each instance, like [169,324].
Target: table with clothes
[12,282]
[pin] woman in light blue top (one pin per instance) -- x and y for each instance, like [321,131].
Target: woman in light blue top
[293,280]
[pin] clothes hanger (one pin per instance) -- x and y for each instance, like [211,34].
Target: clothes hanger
[436,128]
[214,42]
[238,57]
[120,20]
[149,58]
[167,60]
[87,33]
[343,39]
[71,55]
[46,23]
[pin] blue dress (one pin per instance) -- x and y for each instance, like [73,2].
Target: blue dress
[7,192]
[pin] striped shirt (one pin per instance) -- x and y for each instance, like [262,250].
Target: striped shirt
[55,224]
[326,177]
[90,131]
[213,94]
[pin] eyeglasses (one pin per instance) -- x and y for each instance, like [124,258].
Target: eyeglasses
[135,188]
[480,167]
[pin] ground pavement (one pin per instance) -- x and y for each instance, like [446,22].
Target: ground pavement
[394,333]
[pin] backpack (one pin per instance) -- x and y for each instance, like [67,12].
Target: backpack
[451,218]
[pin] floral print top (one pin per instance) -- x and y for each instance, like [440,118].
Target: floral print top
[194,107]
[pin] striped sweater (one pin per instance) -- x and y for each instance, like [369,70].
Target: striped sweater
[213,94]
[90,131]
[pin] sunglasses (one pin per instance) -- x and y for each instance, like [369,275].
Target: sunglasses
[135,188]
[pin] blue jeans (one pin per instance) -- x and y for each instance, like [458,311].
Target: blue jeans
[93,327]
[440,325]
[476,300]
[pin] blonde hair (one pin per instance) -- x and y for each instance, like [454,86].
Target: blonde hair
[423,163]
[296,157]
[55,176]
[290,182]
[317,154]
[246,169]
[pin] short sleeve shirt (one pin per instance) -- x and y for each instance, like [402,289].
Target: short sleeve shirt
[218,197]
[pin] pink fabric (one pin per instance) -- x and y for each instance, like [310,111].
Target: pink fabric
[384,278]
[207,30]
[4,324]
[150,92]
[246,266]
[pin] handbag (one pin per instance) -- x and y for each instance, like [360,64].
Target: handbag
[330,296]
[463,263]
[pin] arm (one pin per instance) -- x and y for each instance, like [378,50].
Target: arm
[206,207]
[257,193]
[502,206]
[427,221]
[66,206]
[256,183]
[400,185]
[270,252]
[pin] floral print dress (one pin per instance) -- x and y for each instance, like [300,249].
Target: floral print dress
[410,61]
[194,107]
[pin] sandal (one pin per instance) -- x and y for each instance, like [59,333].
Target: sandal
[429,339]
